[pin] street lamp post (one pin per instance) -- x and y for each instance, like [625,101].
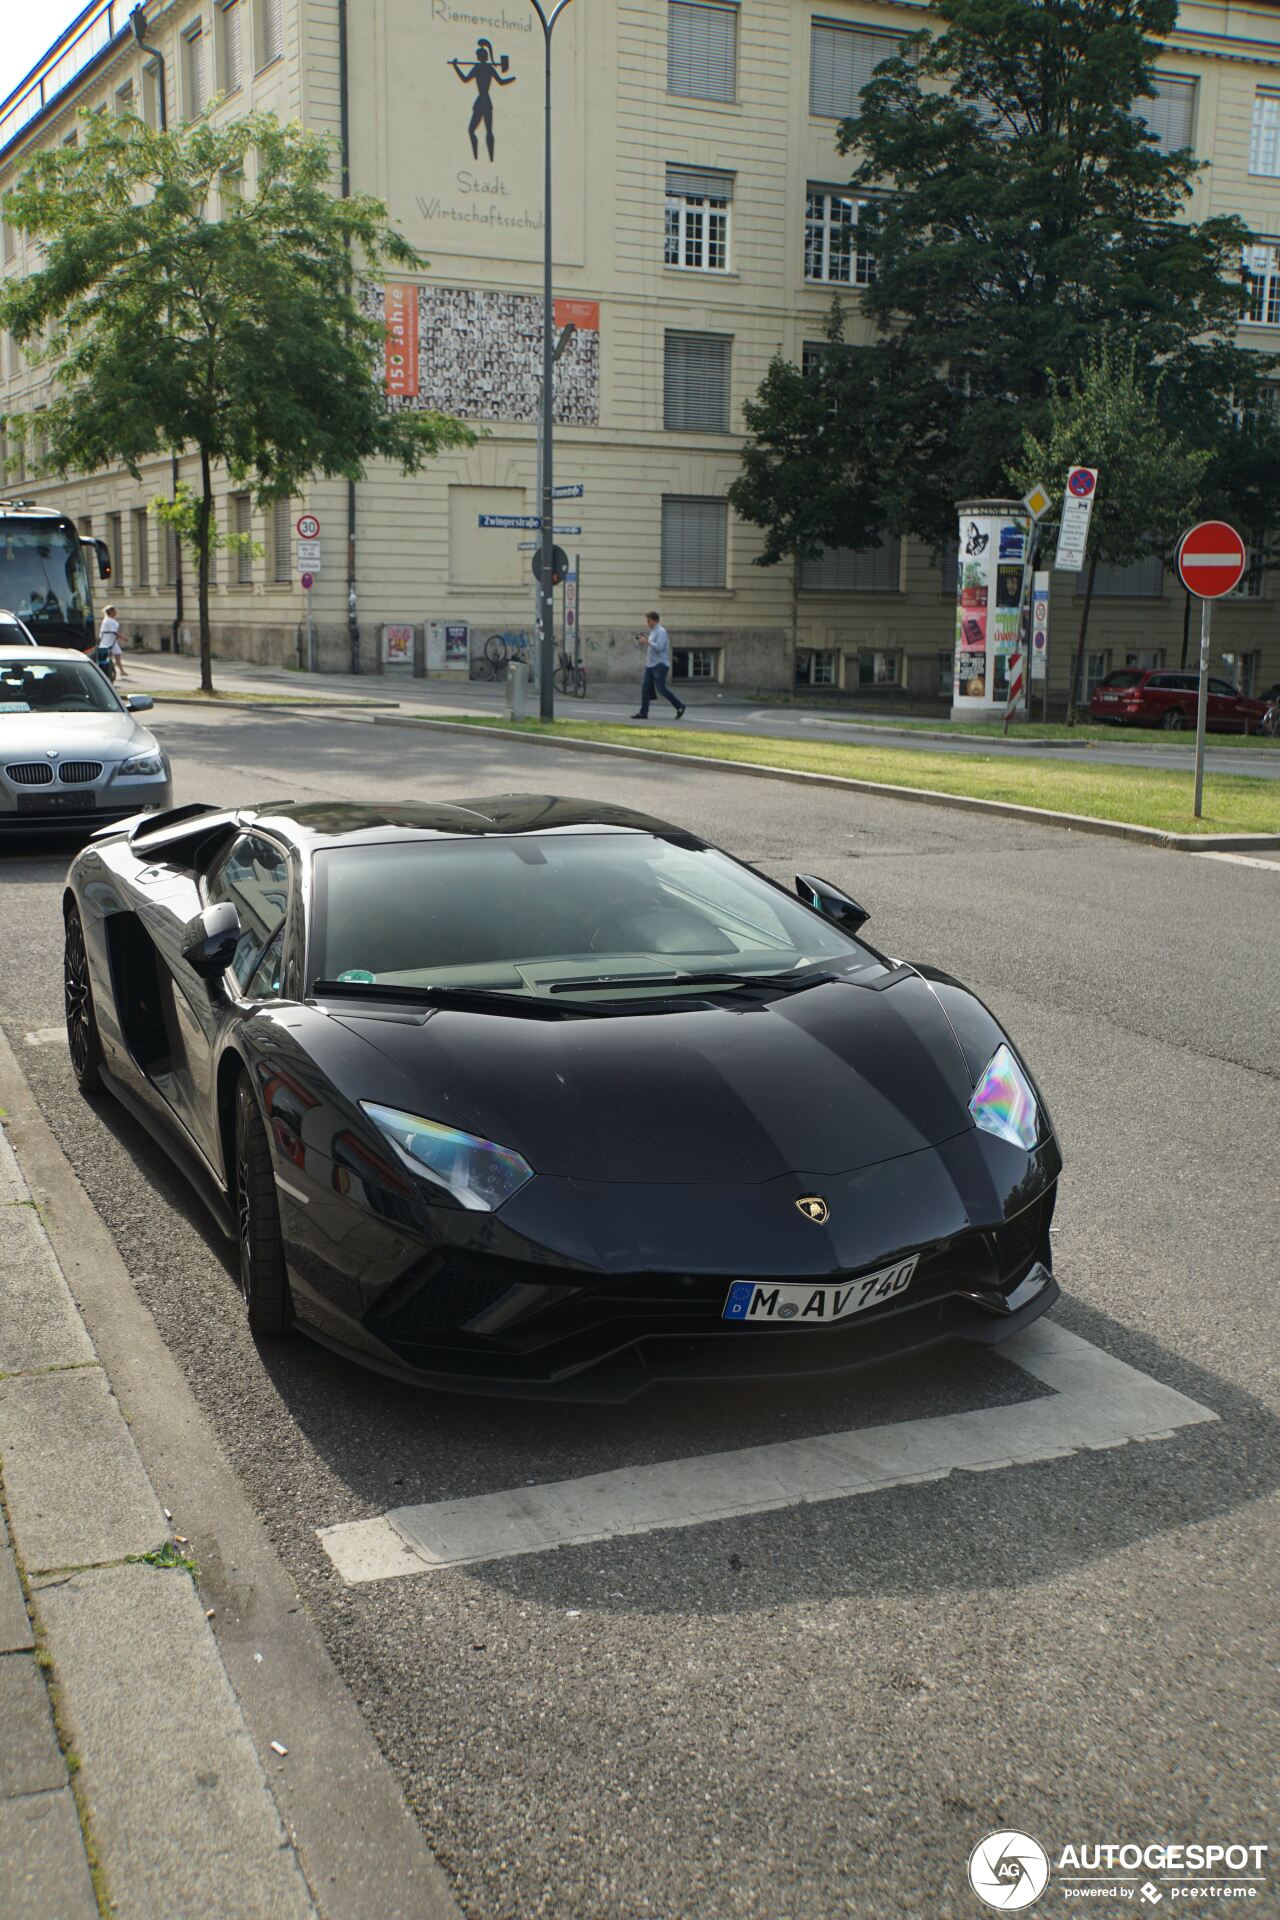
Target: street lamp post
[548,14]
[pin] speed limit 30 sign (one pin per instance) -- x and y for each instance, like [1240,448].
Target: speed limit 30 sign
[308,527]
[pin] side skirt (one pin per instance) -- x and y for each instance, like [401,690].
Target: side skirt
[189,1164]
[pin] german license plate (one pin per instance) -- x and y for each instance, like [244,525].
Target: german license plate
[758,1301]
[56,802]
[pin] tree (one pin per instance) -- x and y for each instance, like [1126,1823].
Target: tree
[1016,206]
[829,447]
[1108,416]
[236,332]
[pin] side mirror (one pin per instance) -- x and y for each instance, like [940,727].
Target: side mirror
[840,907]
[139,702]
[210,942]
[103,552]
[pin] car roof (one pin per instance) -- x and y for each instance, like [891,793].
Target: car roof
[25,655]
[347,823]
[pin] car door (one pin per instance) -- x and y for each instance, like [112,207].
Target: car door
[1224,706]
[253,875]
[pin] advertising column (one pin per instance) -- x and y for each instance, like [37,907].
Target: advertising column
[989,570]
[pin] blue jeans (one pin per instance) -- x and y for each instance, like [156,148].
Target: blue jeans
[655,681]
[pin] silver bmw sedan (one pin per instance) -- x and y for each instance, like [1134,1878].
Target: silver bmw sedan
[71,752]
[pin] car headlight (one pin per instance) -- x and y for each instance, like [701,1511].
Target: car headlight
[1003,1102]
[142,763]
[478,1173]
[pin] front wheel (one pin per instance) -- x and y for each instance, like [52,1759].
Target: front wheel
[264,1280]
[83,1042]
[1173,721]
[496,650]
[579,683]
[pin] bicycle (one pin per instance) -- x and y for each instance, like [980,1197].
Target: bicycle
[500,649]
[570,676]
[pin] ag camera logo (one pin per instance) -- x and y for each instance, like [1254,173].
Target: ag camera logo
[1008,1870]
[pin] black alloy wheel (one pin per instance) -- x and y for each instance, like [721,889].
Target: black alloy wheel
[1174,720]
[264,1281]
[83,1042]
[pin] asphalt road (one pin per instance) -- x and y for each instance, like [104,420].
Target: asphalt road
[815,1711]
[732,713]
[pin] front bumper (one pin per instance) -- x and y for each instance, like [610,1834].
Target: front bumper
[489,1310]
[59,808]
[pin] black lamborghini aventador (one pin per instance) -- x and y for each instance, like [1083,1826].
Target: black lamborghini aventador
[532,1095]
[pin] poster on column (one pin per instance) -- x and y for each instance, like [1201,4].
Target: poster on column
[989,586]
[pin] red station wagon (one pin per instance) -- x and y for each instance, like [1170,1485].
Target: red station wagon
[1147,697]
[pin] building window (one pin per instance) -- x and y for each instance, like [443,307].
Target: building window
[878,667]
[853,570]
[282,543]
[1262,285]
[831,250]
[695,663]
[816,667]
[1145,659]
[270,30]
[141,548]
[1092,669]
[695,539]
[195,84]
[241,526]
[151,82]
[226,21]
[696,382]
[10,241]
[841,61]
[697,224]
[946,674]
[1140,580]
[1264,137]
[115,546]
[702,51]
[1171,116]
[1250,587]
[170,559]
[1242,669]
[124,98]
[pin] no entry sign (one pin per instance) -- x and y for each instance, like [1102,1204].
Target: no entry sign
[1211,559]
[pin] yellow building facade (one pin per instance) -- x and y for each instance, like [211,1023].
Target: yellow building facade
[699,223]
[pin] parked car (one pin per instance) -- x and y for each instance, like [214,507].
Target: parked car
[540,1095]
[15,632]
[71,752]
[1143,697]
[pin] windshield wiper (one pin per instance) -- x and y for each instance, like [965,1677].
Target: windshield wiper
[785,982]
[464,999]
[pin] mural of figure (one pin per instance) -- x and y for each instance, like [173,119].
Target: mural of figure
[485,72]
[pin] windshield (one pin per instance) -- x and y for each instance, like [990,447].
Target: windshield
[47,686]
[548,914]
[43,578]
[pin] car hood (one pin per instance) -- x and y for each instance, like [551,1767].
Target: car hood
[76,736]
[828,1080]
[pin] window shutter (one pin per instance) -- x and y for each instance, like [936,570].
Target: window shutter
[702,183]
[841,61]
[1264,138]
[853,570]
[1171,115]
[702,50]
[696,382]
[199,92]
[281,537]
[231,61]
[694,541]
[272,29]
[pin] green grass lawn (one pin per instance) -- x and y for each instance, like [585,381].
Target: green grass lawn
[1233,803]
[1030,729]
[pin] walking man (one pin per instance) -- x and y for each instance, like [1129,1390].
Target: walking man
[657,664]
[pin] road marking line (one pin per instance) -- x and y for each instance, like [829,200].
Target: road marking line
[1240,860]
[1096,1401]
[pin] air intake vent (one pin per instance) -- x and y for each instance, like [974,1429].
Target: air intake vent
[31,773]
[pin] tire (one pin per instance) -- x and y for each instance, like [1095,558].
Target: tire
[495,650]
[481,669]
[264,1279]
[83,1042]
[560,680]
[1174,721]
[579,683]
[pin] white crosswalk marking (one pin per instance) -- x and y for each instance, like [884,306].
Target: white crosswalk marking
[1094,1401]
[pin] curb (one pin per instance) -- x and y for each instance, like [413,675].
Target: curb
[310,705]
[323,1830]
[967,803]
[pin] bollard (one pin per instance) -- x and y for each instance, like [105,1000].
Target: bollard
[517,689]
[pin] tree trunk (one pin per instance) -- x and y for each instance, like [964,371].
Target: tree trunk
[1078,667]
[795,619]
[1186,623]
[203,524]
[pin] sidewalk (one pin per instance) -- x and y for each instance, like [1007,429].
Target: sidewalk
[174,1745]
[122,1747]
